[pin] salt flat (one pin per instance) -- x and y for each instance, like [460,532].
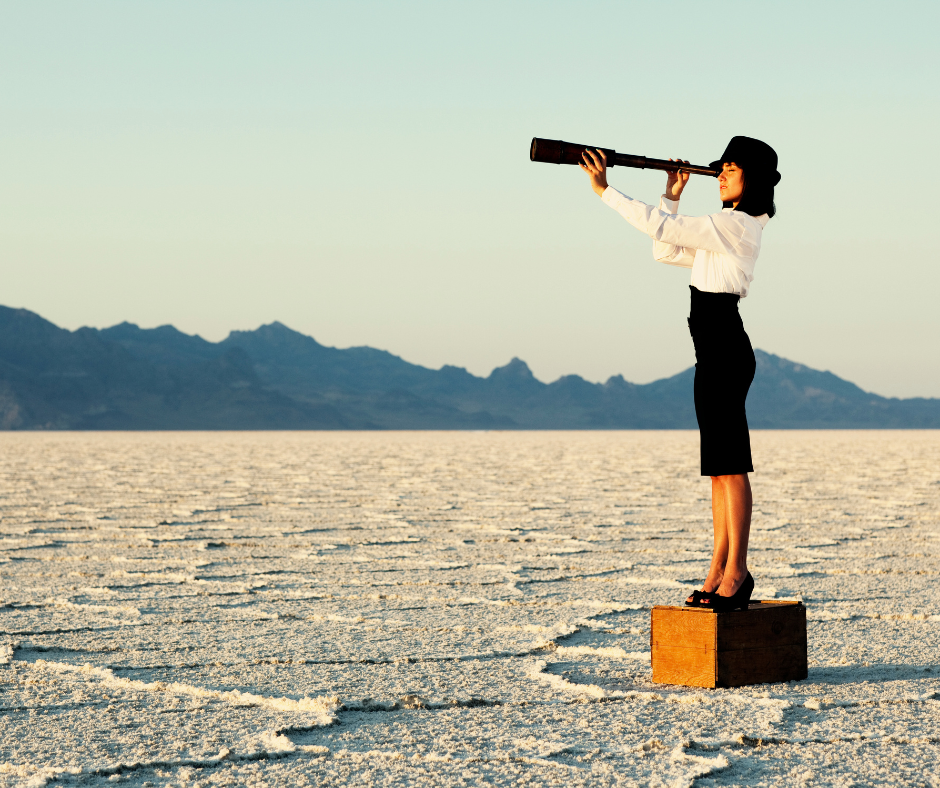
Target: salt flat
[451,609]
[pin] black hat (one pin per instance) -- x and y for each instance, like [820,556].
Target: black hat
[750,154]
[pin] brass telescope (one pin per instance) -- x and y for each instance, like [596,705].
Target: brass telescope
[559,152]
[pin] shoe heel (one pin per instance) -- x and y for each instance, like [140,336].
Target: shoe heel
[746,589]
[739,600]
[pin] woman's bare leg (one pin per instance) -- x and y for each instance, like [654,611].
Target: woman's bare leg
[731,521]
[735,493]
[720,526]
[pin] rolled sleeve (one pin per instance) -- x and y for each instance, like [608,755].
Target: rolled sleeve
[667,205]
[671,254]
[719,232]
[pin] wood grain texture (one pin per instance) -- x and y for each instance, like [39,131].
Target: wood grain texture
[777,625]
[688,627]
[697,647]
[690,667]
[768,664]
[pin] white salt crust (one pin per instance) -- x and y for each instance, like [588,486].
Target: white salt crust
[436,609]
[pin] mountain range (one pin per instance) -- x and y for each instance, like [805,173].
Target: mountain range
[129,378]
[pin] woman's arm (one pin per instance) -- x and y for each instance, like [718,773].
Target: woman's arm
[680,256]
[672,254]
[675,182]
[595,165]
[720,232]
[596,168]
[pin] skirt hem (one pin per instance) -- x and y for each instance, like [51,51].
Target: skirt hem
[749,469]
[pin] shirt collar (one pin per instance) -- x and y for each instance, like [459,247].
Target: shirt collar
[763,218]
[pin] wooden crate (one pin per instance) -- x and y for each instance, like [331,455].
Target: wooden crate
[697,647]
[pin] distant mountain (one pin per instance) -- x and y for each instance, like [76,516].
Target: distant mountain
[129,378]
[51,378]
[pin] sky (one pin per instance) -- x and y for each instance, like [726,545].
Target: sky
[359,171]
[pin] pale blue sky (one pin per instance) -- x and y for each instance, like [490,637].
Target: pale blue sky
[359,172]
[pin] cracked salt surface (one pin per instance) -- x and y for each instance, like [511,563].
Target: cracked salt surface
[449,609]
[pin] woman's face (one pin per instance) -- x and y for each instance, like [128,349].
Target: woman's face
[731,183]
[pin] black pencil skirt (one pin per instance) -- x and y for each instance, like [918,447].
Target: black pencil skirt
[724,369]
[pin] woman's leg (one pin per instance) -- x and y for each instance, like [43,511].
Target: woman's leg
[731,506]
[720,525]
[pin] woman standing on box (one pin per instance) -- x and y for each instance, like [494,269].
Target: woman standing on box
[721,250]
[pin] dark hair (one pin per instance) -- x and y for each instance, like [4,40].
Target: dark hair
[758,196]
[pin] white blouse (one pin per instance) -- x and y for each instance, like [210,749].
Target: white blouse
[721,249]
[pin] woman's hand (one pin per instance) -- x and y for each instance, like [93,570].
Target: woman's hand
[676,181]
[595,165]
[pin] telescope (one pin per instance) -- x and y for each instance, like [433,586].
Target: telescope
[560,152]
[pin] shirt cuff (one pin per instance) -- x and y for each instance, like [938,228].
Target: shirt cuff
[667,205]
[610,195]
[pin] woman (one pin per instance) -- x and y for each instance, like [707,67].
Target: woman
[721,250]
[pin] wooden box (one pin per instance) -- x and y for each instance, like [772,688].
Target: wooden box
[697,647]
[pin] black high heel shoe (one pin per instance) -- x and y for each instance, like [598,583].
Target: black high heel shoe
[739,600]
[698,598]
[695,600]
